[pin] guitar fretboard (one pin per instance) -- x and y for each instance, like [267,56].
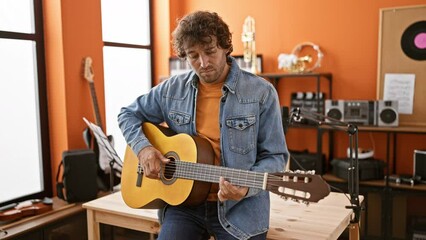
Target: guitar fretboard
[212,173]
[95,104]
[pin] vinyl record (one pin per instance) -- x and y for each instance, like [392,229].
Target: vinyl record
[413,41]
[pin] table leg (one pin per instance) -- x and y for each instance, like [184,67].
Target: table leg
[92,226]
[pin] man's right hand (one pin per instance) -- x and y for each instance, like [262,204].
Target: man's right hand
[151,160]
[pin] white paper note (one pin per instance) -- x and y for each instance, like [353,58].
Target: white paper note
[400,87]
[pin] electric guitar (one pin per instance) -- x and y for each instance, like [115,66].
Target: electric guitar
[88,74]
[186,179]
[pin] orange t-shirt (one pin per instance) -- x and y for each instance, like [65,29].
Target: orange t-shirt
[207,120]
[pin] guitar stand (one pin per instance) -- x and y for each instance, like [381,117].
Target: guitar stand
[108,148]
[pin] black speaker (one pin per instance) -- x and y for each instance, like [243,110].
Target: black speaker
[420,164]
[387,113]
[334,109]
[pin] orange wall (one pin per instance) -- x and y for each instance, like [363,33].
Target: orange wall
[161,19]
[347,32]
[72,32]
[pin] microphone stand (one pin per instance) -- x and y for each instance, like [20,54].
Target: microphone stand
[112,155]
[298,114]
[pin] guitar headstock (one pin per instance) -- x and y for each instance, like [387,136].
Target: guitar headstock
[87,69]
[300,186]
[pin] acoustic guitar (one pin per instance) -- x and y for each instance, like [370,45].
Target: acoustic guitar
[186,179]
[30,210]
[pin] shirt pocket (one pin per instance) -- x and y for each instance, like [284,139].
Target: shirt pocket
[179,121]
[179,118]
[241,133]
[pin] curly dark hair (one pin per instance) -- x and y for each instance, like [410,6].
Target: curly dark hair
[198,28]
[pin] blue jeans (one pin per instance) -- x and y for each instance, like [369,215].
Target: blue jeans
[195,223]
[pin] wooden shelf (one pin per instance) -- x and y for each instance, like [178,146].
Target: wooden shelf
[377,183]
[60,211]
[399,129]
[287,75]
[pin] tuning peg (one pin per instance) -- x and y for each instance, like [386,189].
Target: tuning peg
[306,195]
[295,200]
[286,178]
[306,203]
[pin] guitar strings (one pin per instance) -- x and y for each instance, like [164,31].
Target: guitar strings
[211,173]
[246,178]
[204,172]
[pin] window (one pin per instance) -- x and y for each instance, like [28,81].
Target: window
[126,29]
[24,138]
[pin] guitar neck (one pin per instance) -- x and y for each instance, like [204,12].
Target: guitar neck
[95,104]
[212,173]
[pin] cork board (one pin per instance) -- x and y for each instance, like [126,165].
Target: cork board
[394,22]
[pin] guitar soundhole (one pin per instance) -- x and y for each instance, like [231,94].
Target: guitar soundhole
[169,170]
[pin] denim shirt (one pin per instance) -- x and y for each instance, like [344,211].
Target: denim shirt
[251,134]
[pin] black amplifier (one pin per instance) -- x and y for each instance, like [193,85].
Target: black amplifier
[369,169]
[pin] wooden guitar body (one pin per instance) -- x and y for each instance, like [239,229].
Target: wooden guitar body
[155,193]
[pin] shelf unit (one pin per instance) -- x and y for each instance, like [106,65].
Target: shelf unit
[390,192]
[274,78]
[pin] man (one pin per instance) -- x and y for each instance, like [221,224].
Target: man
[236,111]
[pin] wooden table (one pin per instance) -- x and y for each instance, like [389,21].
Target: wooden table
[326,219]
[112,210]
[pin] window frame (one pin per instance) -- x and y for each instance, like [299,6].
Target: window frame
[38,38]
[148,47]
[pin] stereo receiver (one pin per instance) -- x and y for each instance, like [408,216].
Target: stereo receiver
[363,112]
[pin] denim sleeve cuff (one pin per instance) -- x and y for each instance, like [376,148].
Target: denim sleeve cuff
[252,192]
[139,145]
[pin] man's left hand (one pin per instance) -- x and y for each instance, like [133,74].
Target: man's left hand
[227,191]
